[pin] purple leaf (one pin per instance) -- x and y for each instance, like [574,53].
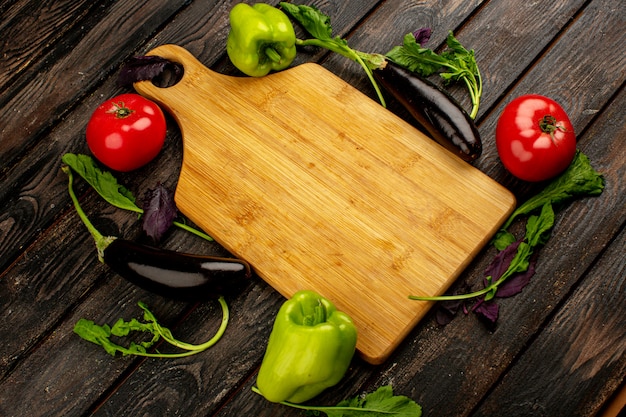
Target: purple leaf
[487,311]
[446,311]
[517,282]
[422,36]
[159,211]
[142,68]
[501,262]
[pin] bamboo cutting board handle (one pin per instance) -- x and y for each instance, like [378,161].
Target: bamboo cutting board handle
[321,188]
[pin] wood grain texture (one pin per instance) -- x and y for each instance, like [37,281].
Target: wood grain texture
[324,189]
[49,277]
[40,103]
[587,341]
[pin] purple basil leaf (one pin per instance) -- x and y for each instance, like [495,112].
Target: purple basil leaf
[487,311]
[517,282]
[142,68]
[422,36]
[159,211]
[446,311]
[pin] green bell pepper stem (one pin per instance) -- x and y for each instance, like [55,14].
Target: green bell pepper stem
[309,349]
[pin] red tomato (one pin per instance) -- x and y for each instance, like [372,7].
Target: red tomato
[126,132]
[535,138]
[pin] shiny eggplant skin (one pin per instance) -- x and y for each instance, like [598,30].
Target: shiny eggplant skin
[434,109]
[176,275]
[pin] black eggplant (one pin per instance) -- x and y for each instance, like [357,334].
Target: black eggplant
[174,274]
[444,119]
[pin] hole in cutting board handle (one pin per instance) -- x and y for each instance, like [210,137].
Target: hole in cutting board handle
[172,73]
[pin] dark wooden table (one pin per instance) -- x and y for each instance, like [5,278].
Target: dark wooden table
[559,346]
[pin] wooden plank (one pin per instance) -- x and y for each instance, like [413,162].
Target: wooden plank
[39,189]
[34,28]
[42,103]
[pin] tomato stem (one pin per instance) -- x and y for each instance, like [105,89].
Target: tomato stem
[120,110]
[548,124]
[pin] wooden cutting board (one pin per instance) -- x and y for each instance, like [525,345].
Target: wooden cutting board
[319,187]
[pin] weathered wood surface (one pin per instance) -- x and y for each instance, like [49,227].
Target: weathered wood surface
[559,346]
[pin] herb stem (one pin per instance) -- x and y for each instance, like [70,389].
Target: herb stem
[192,230]
[166,335]
[101,241]
[349,53]
[325,408]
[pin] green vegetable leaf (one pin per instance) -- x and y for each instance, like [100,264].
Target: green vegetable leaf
[317,24]
[579,179]
[412,56]
[101,335]
[538,227]
[311,19]
[380,403]
[103,182]
[454,64]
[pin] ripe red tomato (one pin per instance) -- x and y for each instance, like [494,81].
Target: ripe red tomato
[535,138]
[126,132]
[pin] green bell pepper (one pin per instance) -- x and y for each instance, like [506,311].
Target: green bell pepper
[261,39]
[310,348]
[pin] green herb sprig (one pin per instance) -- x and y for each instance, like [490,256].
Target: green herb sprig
[318,25]
[580,179]
[379,403]
[454,64]
[101,335]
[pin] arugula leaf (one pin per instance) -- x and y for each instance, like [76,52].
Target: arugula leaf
[455,64]
[101,335]
[380,403]
[412,56]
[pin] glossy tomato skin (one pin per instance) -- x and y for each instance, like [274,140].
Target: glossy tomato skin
[535,138]
[126,132]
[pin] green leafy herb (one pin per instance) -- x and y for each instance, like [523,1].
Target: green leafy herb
[580,179]
[102,181]
[380,403]
[318,25]
[101,335]
[537,233]
[101,241]
[454,64]
[105,184]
